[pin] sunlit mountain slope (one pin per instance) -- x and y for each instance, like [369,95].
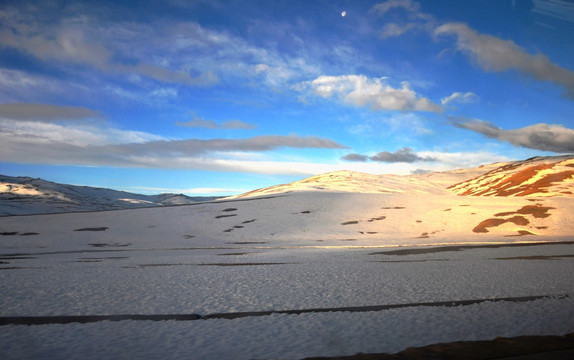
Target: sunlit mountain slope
[540,176]
[535,177]
[357,182]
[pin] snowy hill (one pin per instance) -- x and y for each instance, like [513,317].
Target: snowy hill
[540,176]
[530,197]
[25,195]
[357,182]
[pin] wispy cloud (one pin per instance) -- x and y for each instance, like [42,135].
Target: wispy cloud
[393,29]
[10,78]
[210,124]
[404,155]
[416,18]
[554,10]
[459,97]
[546,137]
[411,7]
[70,43]
[167,52]
[374,93]
[495,55]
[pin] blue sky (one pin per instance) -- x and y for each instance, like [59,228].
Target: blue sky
[220,97]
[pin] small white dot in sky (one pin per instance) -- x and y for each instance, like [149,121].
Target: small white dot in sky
[343,13]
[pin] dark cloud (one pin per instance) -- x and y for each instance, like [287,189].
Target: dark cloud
[546,137]
[46,113]
[355,157]
[404,155]
[496,55]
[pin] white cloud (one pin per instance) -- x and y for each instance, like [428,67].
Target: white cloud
[373,93]
[459,97]
[496,55]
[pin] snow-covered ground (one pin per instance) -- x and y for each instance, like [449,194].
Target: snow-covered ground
[125,283]
[295,251]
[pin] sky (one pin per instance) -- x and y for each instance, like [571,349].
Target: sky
[219,97]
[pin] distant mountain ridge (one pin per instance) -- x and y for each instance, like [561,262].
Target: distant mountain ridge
[25,195]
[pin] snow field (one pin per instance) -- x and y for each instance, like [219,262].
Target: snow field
[146,283]
[295,252]
[287,336]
